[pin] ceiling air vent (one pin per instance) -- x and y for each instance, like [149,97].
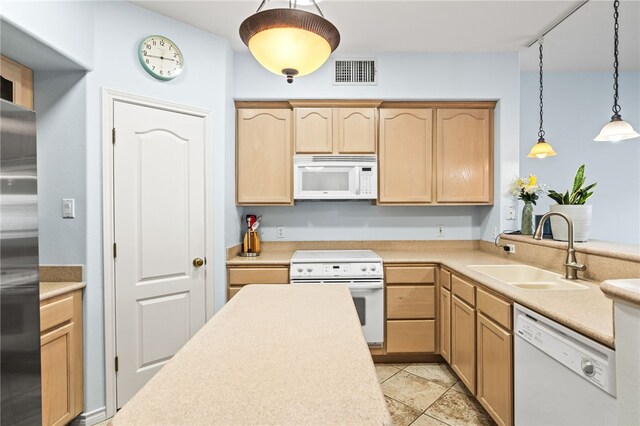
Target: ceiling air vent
[355,72]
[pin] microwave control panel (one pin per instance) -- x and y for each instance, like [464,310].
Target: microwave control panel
[367,181]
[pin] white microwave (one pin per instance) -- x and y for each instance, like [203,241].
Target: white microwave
[335,177]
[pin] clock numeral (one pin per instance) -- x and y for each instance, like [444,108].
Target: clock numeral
[147,61]
[177,63]
[144,52]
[161,73]
[170,46]
[154,67]
[161,42]
[148,46]
[169,72]
[154,42]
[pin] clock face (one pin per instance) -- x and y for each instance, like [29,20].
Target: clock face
[160,57]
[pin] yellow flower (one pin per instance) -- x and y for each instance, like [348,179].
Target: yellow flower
[532,180]
[520,182]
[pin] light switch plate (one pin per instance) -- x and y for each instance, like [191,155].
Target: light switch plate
[68,208]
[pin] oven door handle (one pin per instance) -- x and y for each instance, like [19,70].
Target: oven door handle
[366,287]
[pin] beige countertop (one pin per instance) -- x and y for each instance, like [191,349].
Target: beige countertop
[277,355]
[625,290]
[49,289]
[588,311]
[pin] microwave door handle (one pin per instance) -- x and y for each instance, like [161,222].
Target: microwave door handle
[357,173]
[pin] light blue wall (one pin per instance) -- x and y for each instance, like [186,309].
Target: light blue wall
[105,36]
[60,95]
[402,76]
[576,106]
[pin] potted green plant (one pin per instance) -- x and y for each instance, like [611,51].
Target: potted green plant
[573,205]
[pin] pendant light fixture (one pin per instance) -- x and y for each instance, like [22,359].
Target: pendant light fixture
[617,129]
[289,41]
[541,149]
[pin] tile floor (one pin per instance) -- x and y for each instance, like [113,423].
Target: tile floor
[428,394]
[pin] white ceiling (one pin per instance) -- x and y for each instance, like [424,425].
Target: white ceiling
[581,43]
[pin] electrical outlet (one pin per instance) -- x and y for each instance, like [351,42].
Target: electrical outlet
[440,231]
[511,212]
[280,231]
[510,248]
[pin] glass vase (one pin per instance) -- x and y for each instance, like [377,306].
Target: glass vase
[527,219]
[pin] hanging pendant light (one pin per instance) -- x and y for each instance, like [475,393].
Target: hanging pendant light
[289,41]
[617,129]
[541,149]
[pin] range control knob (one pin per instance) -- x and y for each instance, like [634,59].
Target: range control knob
[363,268]
[300,269]
[373,267]
[309,269]
[588,368]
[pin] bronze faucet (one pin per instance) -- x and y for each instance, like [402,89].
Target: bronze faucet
[571,265]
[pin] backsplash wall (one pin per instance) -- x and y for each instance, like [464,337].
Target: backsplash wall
[359,220]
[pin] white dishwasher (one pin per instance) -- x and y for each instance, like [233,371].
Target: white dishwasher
[561,377]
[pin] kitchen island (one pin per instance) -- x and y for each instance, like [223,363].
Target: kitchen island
[277,354]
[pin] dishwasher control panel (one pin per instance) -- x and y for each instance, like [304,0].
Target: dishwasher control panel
[587,358]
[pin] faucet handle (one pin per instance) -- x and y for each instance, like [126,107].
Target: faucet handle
[576,266]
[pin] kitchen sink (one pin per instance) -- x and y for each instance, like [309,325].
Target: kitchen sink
[527,277]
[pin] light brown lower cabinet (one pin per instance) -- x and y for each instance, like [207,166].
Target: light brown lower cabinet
[445,324]
[463,342]
[238,277]
[495,370]
[409,336]
[61,358]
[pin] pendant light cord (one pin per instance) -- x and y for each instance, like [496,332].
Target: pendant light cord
[541,131]
[616,108]
[293,4]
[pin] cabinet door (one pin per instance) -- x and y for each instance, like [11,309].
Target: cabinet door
[463,342]
[17,82]
[264,157]
[411,336]
[355,130]
[57,357]
[314,130]
[464,147]
[445,324]
[405,156]
[495,366]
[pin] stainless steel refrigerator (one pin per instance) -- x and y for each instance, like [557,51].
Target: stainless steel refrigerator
[19,275]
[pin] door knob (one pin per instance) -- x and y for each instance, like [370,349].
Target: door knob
[197,262]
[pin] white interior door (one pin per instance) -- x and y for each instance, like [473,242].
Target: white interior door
[159,229]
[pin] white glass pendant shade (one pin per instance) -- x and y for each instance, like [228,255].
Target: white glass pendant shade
[616,130]
[542,150]
[279,49]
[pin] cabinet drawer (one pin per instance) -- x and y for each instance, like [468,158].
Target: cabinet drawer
[496,309]
[445,278]
[411,336]
[410,302]
[241,276]
[409,274]
[463,289]
[56,311]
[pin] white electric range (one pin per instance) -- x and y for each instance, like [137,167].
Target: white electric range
[360,270]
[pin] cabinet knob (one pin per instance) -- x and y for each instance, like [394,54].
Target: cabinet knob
[197,262]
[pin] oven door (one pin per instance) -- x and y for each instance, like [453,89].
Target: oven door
[325,181]
[369,303]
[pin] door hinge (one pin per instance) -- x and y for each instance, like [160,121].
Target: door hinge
[113,136]
[116,362]
[114,250]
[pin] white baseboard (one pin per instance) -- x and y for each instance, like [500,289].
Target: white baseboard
[90,418]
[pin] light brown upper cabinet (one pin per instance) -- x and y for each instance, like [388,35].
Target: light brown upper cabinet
[330,129]
[264,157]
[17,83]
[464,156]
[405,156]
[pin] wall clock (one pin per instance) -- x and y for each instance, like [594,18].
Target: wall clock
[160,57]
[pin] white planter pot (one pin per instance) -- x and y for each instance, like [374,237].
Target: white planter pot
[579,215]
